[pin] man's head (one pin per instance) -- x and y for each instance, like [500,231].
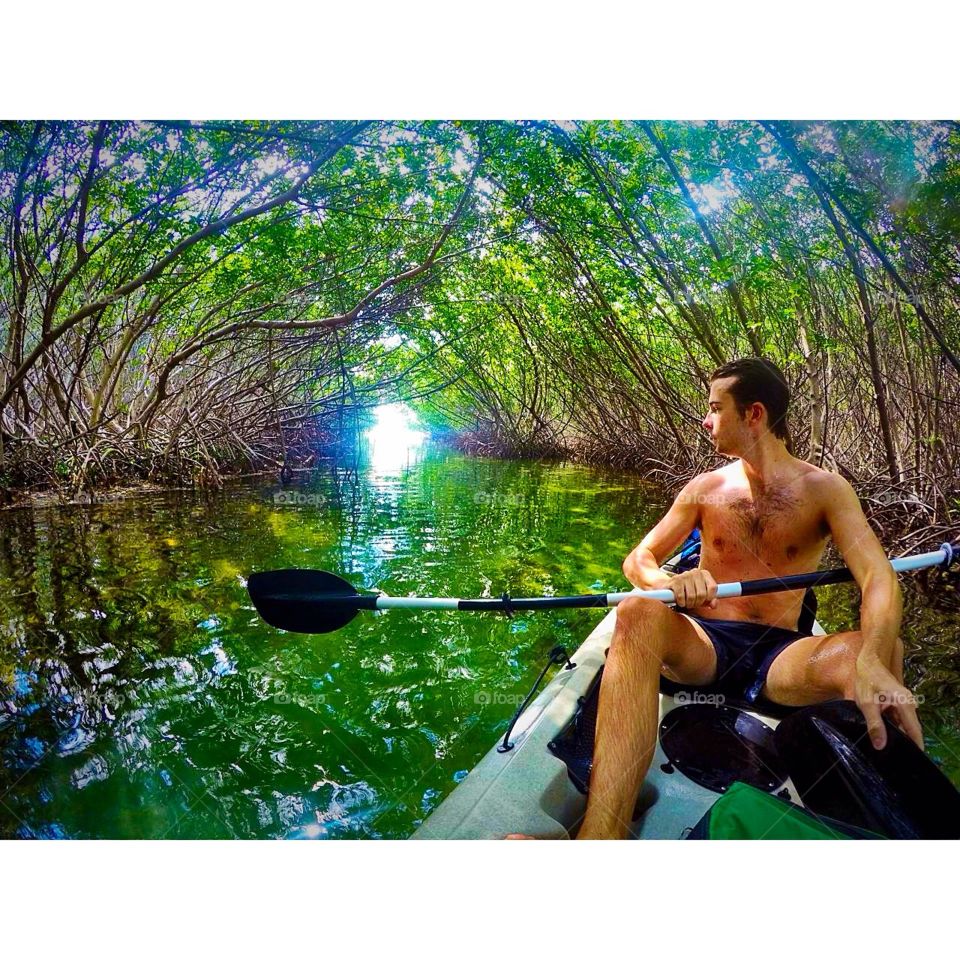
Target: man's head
[748,398]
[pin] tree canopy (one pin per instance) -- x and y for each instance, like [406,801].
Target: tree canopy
[182,298]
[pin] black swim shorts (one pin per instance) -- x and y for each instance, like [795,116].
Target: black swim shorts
[745,652]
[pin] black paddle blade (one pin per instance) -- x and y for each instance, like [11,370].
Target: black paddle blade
[897,792]
[306,601]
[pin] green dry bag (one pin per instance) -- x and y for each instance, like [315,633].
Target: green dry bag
[746,813]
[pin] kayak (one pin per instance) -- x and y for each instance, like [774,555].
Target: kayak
[529,789]
[814,759]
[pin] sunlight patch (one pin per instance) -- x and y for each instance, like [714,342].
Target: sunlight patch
[394,439]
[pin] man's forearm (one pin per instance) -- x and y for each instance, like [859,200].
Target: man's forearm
[642,570]
[881,609]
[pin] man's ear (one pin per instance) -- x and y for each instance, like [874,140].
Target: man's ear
[755,412]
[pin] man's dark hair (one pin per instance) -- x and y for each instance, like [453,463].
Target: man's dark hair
[759,381]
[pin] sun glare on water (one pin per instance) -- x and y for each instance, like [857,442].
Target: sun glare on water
[394,439]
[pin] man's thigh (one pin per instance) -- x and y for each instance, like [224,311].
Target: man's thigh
[689,655]
[814,669]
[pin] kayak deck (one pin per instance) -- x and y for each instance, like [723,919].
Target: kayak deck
[529,790]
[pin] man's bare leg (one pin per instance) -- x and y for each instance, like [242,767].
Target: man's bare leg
[815,669]
[648,636]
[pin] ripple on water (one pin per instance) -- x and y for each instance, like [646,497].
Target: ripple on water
[45,831]
[289,809]
[350,810]
[74,741]
[94,770]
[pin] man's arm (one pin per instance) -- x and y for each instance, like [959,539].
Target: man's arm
[881,605]
[881,608]
[642,566]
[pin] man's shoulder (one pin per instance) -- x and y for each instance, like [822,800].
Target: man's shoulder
[819,482]
[708,480]
[820,479]
[827,488]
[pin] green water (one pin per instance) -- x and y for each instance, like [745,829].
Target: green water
[141,696]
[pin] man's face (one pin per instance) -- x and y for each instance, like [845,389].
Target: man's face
[727,428]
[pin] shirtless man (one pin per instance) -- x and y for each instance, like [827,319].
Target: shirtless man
[765,514]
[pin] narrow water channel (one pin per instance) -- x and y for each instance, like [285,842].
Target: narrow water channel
[141,696]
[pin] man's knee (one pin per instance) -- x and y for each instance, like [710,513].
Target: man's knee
[840,668]
[844,664]
[641,612]
[640,622]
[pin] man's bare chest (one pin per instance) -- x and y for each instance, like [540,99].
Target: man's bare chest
[778,526]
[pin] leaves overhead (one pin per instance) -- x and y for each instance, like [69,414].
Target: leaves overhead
[186,295]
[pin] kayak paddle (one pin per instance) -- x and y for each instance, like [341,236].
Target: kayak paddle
[315,601]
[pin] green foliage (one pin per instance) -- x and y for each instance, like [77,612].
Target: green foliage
[574,296]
